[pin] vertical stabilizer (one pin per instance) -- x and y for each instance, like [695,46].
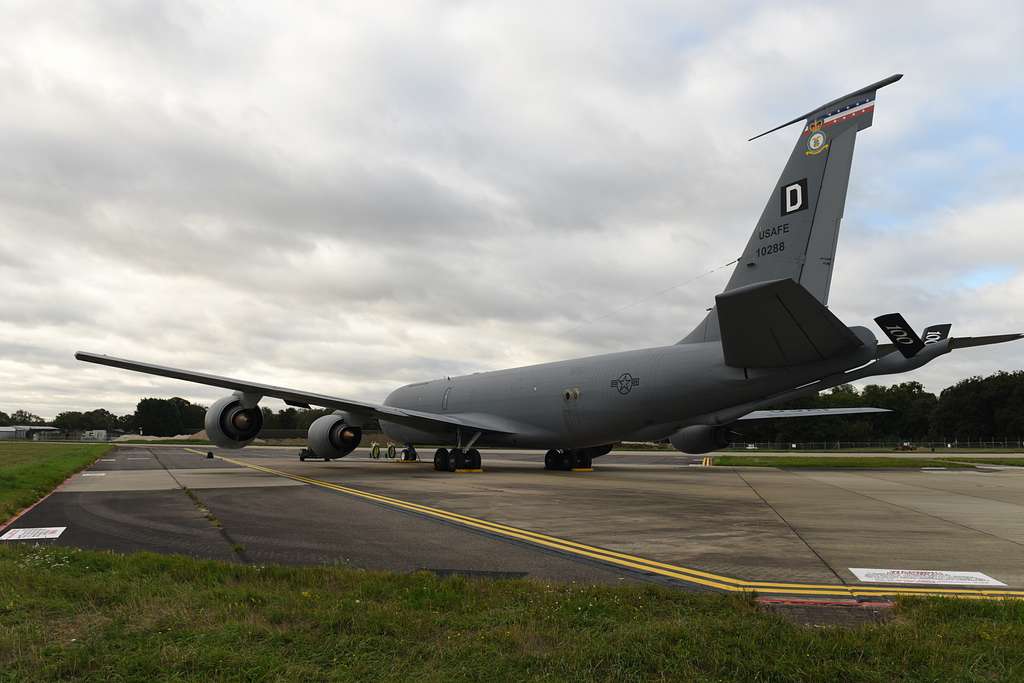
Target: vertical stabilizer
[798,230]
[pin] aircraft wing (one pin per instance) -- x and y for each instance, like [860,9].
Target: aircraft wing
[778,323]
[967,342]
[810,412]
[305,399]
[959,342]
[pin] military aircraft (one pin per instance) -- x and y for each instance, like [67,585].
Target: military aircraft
[768,339]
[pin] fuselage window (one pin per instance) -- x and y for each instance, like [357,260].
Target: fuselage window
[444,399]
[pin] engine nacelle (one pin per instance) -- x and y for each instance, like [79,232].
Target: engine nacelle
[332,437]
[229,425]
[697,439]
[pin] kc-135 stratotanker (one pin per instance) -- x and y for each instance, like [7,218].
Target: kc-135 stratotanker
[768,339]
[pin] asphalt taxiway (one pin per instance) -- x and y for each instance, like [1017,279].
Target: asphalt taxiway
[636,517]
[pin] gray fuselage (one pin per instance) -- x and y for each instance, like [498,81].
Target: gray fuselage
[646,394]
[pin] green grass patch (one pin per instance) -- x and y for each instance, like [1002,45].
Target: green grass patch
[86,615]
[838,461]
[29,471]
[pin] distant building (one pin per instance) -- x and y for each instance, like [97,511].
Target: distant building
[25,432]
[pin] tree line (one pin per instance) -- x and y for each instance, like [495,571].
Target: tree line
[976,408]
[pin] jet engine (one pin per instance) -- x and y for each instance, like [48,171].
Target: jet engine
[697,439]
[332,437]
[229,425]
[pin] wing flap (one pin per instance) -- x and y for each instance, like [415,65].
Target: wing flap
[303,398]
[779,323]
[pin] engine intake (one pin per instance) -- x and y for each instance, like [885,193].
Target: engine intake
[331,437]
[697,439]
[229,425]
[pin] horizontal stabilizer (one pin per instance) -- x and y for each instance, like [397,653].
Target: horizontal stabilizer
[810,412]
[868,89]
[779,323]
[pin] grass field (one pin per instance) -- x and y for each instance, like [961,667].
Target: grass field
[29,471]
[85,615]
[820,461]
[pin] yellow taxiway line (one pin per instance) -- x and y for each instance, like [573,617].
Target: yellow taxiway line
[685,574]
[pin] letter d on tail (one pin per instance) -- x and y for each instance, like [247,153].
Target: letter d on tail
[794,197]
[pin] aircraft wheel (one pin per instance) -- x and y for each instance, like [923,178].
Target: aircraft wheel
[564,460]
[582,461]
[550,460]
[391,451]
[473,459]
[456,460]
[409,454]
[302,457]
[441,460]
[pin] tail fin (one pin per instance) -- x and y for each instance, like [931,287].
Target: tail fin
[797,233]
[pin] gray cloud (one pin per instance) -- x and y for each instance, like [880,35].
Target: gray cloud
[345,198]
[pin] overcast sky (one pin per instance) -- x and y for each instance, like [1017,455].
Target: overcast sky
[345,197]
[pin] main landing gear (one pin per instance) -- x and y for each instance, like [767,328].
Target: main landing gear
[456,459]
[567,460]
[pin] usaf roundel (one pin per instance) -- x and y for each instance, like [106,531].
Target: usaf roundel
[625,383]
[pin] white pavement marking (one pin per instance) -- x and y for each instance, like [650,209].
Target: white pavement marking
[94,474]
[108,459]
[924,576]
[28,534]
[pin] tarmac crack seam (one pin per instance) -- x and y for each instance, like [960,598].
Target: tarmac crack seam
[236,547]
[917,510]
[791,527]
[684,574]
